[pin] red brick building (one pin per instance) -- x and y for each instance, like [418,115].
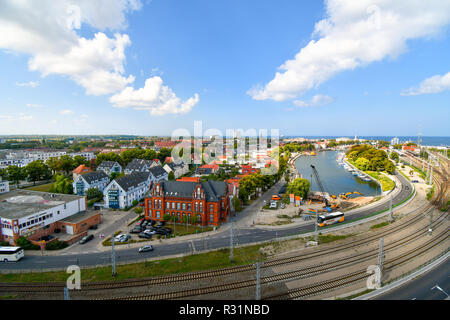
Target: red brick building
[206,201]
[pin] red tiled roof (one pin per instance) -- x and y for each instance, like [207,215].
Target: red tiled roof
[81,169]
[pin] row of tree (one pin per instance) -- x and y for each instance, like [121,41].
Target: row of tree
[126,156]
[367,158]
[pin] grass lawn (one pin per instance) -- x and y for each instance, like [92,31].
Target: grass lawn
[204,261]
[386,183]
[42,187]
[380,225]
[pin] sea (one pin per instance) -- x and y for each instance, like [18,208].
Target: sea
[425,141]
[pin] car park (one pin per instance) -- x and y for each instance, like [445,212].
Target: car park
[86,239]
[118,237]
[146,248]
[150,232]
[125,238]
[161,223]
[415,181]
[144,235]
[273,205]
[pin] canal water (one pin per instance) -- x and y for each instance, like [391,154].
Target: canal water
[334,178]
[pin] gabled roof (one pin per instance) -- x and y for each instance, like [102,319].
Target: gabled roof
[184,189]
[138,164]
[158,171]
[80,169]
[93,176]
[132,180]
[108,164]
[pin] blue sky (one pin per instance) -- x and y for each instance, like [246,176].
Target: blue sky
[217,61]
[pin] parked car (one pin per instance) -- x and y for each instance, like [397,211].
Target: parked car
[273,205]
[136,229]
[119,237]
[86,239]
[94,227]
[152,222]
[150,232]
[125,238]
[415,181]
[144,235]
[144,223]
[146,248]
[283,206]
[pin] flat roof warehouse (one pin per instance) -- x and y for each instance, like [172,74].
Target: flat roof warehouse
[22,203]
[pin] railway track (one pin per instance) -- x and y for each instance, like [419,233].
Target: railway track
[58,287]
[296,274]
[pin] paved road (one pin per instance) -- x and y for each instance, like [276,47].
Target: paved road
[242,235]
[422,287]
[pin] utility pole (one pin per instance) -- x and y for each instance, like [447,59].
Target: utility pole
[316,229]
[113,256]
[391,212]
[258,280]
[431,176]
[231,243]
[430,229]
[380,260]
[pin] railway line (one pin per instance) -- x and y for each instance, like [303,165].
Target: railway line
[58,287]
[413,217]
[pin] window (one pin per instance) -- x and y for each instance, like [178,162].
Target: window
[178,206]
[184,206]
[173,205]
[167,205]
[158,215]
[159,204]
[189,206]
[201,206]
[156,203]
[211,218]
[211,208]
[196,207]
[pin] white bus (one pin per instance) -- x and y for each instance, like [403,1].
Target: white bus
[330,218]
[8,254]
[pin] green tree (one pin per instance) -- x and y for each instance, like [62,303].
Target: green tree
[79,160]
[94,193]
[171,176]
[299,187]
[110,156]
[394,156]
[362,164]
[236,204]
[37,170]
[163,153]
[66,163]
[16,174]
[62,184]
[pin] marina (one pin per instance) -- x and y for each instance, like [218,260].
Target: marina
[337,176]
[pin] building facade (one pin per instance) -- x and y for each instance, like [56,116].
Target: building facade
[95,179]
[109,167]
[206,203]
[121,192]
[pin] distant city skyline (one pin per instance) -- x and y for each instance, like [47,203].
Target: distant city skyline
[317,68]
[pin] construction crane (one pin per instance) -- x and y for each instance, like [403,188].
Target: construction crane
[319,183]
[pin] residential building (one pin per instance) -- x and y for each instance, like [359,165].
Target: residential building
[4,186]
[81,169]
[158,174]
[121,192]
[139,165]
[95,179]
[207,202]
[177,168]
[109,167]
[395,141]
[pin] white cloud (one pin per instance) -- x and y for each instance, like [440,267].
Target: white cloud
[433,84]
[316,101]
[66,112]
[33,105]
[155,97]
[46,30]
[32,84]
[354,34]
